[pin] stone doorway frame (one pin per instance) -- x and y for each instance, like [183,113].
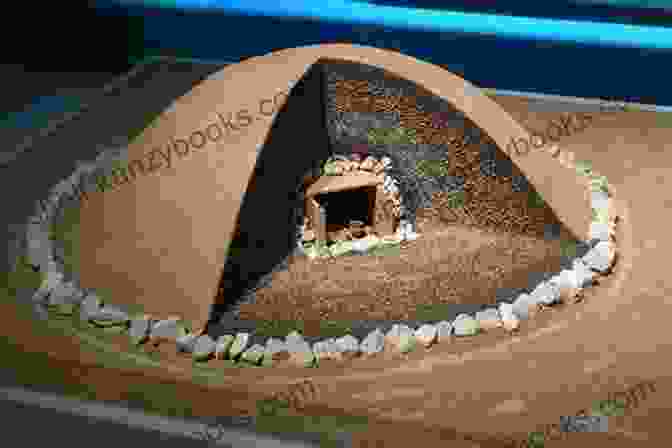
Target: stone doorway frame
[347,182]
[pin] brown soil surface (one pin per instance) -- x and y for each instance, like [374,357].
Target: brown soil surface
[560,362]
[494,241]
[453,265]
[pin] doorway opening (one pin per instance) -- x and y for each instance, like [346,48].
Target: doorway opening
[348,214]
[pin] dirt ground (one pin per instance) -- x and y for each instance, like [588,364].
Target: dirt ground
[494,241]
[488,386]
[446,265]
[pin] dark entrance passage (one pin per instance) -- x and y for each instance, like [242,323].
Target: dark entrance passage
[343,207]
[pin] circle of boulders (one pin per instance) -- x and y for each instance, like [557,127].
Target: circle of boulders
[68,298]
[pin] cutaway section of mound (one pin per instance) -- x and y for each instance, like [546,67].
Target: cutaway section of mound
[398,160]
[229,165]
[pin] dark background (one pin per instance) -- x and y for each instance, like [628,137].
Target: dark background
[78,36]
[70,36]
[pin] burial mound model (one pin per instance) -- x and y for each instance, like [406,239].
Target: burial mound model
[240,154]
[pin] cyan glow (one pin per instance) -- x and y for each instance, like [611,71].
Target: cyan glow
[347,11]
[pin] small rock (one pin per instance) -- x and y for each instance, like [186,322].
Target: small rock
[186,343]
[548,293]
[66,293]
[393,337]
[253,355]
[52,279]
[600,200]
[599,231]
[505,309]
[223,345]
[566,279]
[295,342]
[41,298]
[109,317]
[39,250]
[299,350]
[407,343]
[90,305]
[488,319]
[583,275]
[239,345]
[443,330]
[509,320]
[467,326]
[364,244]
[168,329]
[347,347]
[524,306]
[601,258]
[588,423]
[426,334]
[373,343]
[294,337]
[204,347]
[139,329]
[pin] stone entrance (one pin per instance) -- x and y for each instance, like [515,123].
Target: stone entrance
[346,207]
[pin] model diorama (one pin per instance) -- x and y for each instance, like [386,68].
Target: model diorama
[330,184]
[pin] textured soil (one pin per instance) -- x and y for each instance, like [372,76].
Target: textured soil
[457,265]
[481,252]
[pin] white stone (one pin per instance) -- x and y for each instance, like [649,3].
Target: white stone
[599,231]
[347,343]
[489,318]
[373,343]
[426,334]
[600,200]
[522,306]
[444,329]
[601,258]
[509,320]
[547,293]
[467,326]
